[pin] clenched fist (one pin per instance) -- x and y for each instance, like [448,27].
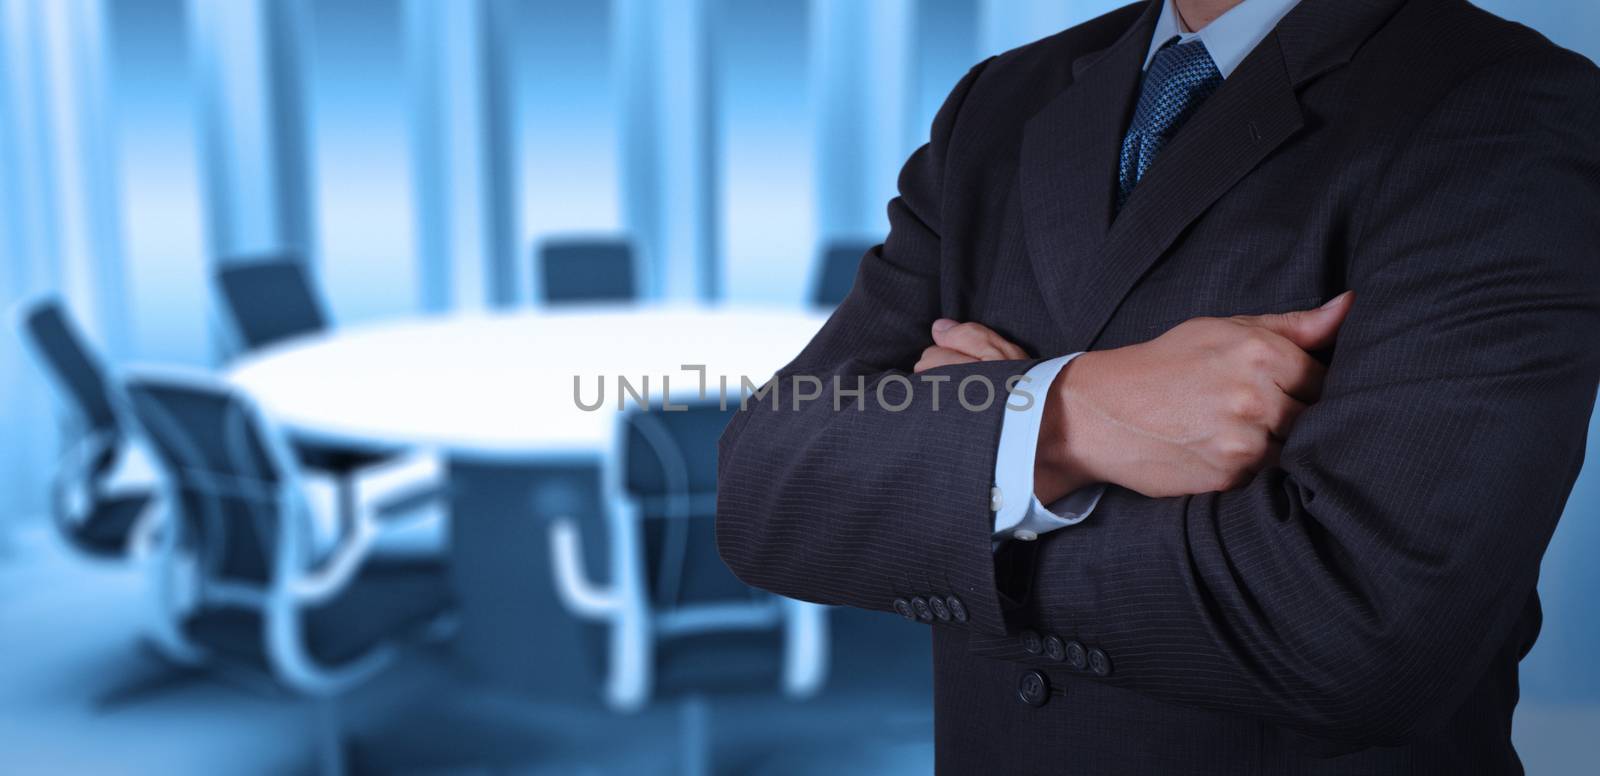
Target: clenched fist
[1200,408]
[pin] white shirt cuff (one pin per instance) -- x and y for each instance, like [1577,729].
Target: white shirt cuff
[1018,512]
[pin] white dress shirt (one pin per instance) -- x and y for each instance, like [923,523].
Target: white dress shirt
[1018,513]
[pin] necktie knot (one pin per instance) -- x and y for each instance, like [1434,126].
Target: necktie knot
[1180,77]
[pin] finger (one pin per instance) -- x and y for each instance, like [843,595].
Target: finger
[1307,329]
[970,338]
[978,341]
[1281,415]
[1271,451]
[1295,372]
[934,357]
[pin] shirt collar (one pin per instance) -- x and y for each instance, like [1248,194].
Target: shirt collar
[1229,38]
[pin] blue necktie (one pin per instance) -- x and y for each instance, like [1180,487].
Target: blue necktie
[1180,78]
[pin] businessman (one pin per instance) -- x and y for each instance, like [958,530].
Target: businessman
[1301,306]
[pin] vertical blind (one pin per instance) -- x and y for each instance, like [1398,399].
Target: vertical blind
[414,152]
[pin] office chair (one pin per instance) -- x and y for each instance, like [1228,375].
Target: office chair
[271,300]
[837,272]
[667,581]
[578,270]
[97,499]
[271,598]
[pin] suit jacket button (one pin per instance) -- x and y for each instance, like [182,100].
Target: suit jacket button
[920,606]
[1099,662]
[958,610]
[1032,643]
[939,609]
[902,607]
[1077,656]
[1033,688]
[1054,648]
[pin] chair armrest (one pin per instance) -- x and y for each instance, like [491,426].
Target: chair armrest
[406,484]
[577,592]
[404,506]
[806,640]
[74,485]
[134,470]
[330,577]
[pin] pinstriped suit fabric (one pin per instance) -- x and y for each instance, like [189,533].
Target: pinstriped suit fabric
[1361,606]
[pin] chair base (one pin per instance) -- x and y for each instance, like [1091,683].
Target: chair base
[334,751]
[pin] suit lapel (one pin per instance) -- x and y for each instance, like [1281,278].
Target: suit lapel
[1253,113]
[1085,262]
[1069,163]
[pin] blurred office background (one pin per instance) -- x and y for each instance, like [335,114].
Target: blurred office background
[411,159]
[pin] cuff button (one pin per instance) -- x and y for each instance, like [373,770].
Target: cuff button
[920,606]
[939,609]
[996,500]
[1055,649]
[1099,663]
[958,610]
[902,607]
[1077,656]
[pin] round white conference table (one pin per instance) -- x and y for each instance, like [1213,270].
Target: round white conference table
[494,393]
[502,384]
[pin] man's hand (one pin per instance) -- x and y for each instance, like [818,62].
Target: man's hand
[1200,408]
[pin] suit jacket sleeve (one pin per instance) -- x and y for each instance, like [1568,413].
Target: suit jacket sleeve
[1357,590]
[862,505]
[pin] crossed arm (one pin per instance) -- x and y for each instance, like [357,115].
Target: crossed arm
[1337,553]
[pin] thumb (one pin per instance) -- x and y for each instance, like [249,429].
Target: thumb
[1307,329]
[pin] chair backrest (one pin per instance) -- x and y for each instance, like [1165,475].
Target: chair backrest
[224,471]
[270,299]
[838,272]
[587,270]
[669,470]
[78,370]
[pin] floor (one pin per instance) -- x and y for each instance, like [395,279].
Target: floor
[80,693]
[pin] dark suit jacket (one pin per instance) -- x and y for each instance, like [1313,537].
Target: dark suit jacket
[1361,606]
